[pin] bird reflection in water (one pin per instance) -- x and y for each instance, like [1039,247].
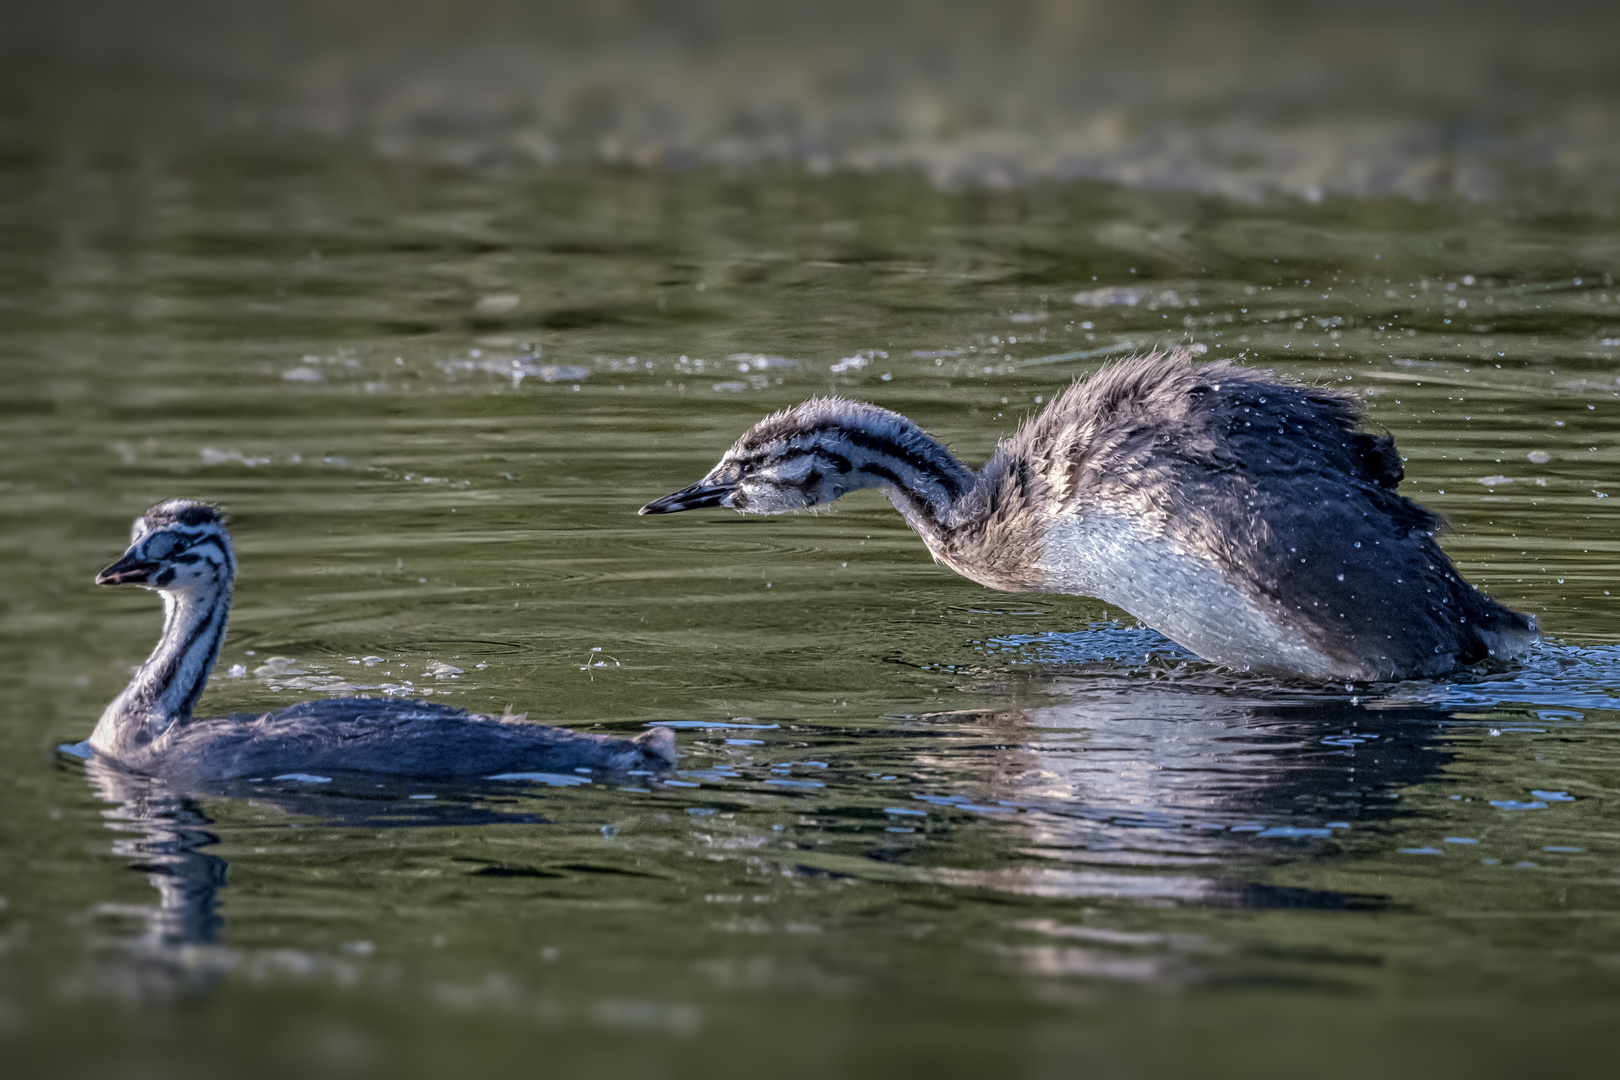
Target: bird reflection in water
[1171,793]
[174,945]
[1118,790]
[163,833]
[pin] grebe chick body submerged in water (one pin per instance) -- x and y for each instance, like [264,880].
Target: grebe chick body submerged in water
[1246,518]
[181,549]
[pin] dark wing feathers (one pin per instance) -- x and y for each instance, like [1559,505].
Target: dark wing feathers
[1380,462]
[402,738]
[1278,486]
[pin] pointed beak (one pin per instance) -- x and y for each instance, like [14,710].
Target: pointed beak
[697,497]
[127,571]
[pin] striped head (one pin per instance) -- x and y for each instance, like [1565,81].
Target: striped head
[819,450]
[176,546]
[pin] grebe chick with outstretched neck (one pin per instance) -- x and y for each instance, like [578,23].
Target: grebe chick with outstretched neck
[1245,517]
[180,548]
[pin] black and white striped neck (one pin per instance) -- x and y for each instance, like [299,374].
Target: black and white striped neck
[920,476]
[166,687]
[816,452]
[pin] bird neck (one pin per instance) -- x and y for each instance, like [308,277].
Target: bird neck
[923,479]
[979,523]
[164,689]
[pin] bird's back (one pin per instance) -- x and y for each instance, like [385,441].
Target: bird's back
[399,738]
[1273,485]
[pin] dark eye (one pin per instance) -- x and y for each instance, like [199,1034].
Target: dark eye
[162,546]
[748,468]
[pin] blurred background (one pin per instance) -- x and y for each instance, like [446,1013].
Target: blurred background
[431,296]
[1242,97]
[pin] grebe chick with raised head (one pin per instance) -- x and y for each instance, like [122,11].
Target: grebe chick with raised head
[180,548]
[1245,517]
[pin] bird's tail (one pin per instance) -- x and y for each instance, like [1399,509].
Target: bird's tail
[658,742]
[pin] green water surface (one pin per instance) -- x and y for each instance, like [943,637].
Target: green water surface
[948,831]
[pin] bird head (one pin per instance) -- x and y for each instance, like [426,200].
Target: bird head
[796,459]
[177,545]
